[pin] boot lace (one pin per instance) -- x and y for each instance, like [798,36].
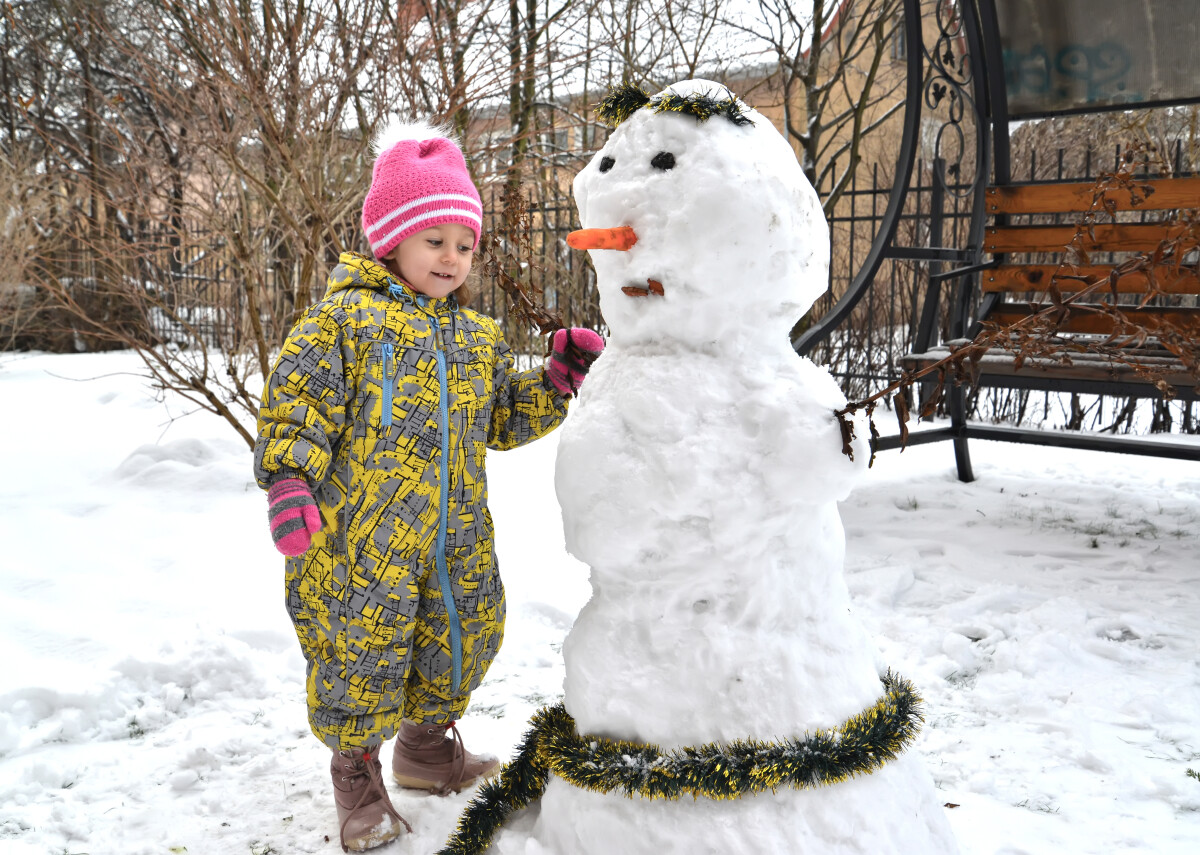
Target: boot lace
[459,769]
[356,770]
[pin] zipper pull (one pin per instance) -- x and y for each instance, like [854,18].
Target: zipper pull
[390,369]
[389,360]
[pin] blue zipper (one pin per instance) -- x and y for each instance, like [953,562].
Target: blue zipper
[453,622]
[452,618]
[389,381]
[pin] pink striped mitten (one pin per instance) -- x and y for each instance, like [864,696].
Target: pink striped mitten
[572,353]
[293,514]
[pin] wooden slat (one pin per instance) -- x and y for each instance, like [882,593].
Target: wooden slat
[1122,237]
[1075,198]
[1000,363]
[1036,277]
[1086,367]
[1184,320]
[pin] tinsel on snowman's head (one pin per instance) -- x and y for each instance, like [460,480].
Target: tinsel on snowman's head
[702,104]
[724,217]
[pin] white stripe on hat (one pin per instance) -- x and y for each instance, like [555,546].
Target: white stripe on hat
[426,200]
[426,215]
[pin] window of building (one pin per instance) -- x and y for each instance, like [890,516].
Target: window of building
[899,45]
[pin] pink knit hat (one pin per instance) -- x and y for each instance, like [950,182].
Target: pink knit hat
[420,180]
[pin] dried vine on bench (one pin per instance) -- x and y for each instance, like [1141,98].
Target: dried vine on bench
[1036,336]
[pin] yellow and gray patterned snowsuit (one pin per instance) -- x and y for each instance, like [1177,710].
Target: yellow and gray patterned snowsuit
[386,403]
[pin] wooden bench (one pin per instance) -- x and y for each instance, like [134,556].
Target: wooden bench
[1018,281]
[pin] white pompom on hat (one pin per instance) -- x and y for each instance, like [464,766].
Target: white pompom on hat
[419,180]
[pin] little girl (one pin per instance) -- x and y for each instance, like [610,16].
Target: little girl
[372,439]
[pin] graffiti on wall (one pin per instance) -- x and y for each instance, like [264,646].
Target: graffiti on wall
[1079,73]
[1097,54]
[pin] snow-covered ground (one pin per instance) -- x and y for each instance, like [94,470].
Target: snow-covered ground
[153,700]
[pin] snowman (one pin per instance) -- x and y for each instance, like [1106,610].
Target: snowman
[699,476]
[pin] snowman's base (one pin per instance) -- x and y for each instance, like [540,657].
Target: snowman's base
[893,811]
[858,746]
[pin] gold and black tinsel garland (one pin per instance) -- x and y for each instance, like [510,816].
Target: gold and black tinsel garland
[858,746]
[621,102]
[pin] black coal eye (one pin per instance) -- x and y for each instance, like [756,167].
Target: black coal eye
[663,160]
[606,163]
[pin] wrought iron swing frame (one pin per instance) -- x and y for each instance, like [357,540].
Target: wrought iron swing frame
[964,73]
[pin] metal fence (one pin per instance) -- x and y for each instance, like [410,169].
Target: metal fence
[193,276]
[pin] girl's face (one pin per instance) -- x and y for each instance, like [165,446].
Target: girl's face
[434,261]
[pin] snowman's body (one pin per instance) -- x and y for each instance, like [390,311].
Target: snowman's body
[698,476]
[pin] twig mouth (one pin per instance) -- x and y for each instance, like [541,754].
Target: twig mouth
[653,286]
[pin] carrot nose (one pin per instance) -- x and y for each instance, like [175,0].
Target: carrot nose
[621,237]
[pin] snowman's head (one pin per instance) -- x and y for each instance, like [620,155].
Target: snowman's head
[730,239]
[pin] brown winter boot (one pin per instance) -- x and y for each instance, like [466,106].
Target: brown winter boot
[365,813]
[432,757]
